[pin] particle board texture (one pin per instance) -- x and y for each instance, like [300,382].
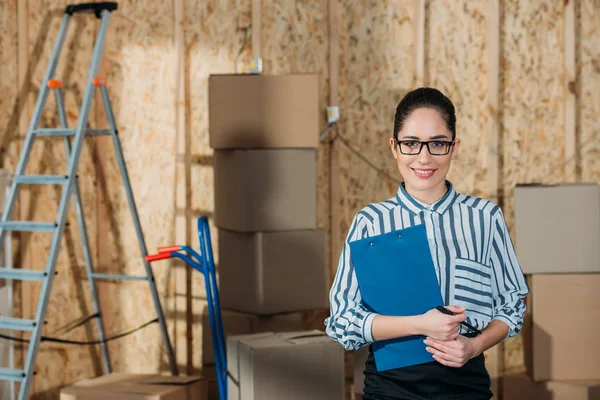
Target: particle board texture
[376,70]
[588,89]
[532,109]
[457,65]
[141,77]
[158,57]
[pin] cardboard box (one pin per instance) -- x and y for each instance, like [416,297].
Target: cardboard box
[521,387]
[271,273]
[291,366]
[265,190]
[262,111]
[236,323]
[562,327]
[121,386]
[558,228]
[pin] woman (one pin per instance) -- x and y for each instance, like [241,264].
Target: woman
[476,266]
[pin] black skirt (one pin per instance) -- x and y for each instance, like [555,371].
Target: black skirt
[428,381]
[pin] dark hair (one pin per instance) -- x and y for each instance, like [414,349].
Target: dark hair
[425,97]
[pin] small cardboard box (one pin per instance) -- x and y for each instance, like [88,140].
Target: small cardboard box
[274,272]
[265,190]
[558,228]
[121,386]
[263,111]
[291,366]
[562,327]
[521,387]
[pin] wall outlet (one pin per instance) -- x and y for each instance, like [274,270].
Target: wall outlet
[333,114]
[256,65]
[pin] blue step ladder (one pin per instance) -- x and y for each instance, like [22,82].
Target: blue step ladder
[70,187]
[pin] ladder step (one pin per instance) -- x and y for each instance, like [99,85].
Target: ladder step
[68,132]
[120,277]
[9,374]
[22,274]
[17,324]
[25,226]
[41,179]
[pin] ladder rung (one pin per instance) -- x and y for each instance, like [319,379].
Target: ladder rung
[9,374]
[22,274]
[41,179]
[17,324]
[68,132]
[121,277]
[29,226]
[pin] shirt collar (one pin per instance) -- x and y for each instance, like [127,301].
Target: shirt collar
[415,206]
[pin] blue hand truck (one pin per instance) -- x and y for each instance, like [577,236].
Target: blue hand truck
[204,263]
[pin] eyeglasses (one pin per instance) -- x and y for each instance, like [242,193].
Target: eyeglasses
[435,147]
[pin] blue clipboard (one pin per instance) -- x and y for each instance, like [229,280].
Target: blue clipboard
[396,276]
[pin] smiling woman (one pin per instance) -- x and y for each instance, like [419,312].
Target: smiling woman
[480,279]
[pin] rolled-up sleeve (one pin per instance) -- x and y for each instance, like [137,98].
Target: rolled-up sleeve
[509,286]
[349,322]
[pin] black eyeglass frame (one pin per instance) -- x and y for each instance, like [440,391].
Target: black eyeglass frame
[449,145]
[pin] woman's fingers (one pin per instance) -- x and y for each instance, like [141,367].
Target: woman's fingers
[456,309]
[443,345]
[451,357]
[446,362]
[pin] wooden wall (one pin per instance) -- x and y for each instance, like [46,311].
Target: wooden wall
[157,60]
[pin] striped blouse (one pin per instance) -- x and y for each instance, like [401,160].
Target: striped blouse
[474,259]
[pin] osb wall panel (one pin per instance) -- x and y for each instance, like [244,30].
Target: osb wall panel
[589,89]
[58,364]
[215,44]
[457,65]
[8,119]
[141,75]
[533,95]
[295,41]
[532,107]
[8,85]
[376,70]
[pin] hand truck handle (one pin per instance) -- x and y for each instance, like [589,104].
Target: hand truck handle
[97,8]
[159,256]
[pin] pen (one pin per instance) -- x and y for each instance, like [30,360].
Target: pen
[444,310]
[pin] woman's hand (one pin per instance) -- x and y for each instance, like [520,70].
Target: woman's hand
[452,353]
[440,326]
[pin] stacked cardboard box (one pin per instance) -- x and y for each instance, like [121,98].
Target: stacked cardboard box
[265,132]
[557,240]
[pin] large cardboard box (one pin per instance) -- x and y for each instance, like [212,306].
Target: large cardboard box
[262,111]
[562,327]
[521,387]
[121,386]
[236,323]
[274,272]
[291,366]
[558,228]
[265,190]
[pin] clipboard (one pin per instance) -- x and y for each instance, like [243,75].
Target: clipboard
[396,276]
